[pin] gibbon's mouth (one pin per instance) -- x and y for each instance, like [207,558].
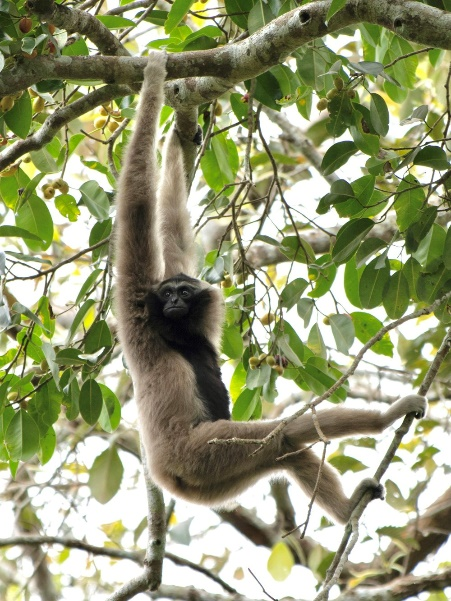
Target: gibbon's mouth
[175,312]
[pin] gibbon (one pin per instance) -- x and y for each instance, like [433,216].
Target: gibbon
[170,329]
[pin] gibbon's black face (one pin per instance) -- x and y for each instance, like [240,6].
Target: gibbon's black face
[177,295]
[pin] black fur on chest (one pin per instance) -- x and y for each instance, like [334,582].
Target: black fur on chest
[202,357]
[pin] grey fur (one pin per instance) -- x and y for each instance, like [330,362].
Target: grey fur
[154,242]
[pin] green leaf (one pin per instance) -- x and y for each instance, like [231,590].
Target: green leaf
[67,206]
[366,142]
[47,446]
[259,15]
[447,249]
[367,326]
[69,356]
[35,217]
[305,308]
[297,249]
[431,286]
[334,7]
[78,48]
[372,283]
[239,10]
[341,114]
[292,292]
[349,238]
[79,318]
[115,22]
[367,249]
[256,378]
[43,161]
[232,341]
[11,231]
[22,437]
[245,405]
[431,249]
[22,310]
[91,402]
[409,201]
[18,119]
[344,463]
[105,475]
[396,295]
[178,10]
[267,90]
[98,337]
[220,163]
[433,157]
[95,199]
[110,415]
[336,156]
[419,229]
[324,272]
[380,117]
[280,561]
[343,332]
[367,67]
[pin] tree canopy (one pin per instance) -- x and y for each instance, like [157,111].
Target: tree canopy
[320,200]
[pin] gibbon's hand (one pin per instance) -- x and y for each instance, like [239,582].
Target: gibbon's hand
[155,70]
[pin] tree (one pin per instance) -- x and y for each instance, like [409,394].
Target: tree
[347,287]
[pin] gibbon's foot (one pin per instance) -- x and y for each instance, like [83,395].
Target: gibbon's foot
[156,66]
[367,485]
[198,136]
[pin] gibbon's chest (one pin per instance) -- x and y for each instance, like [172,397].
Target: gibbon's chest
[202,358]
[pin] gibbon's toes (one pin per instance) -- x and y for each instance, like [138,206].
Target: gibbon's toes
[198,136]
[373,486]
[419,405]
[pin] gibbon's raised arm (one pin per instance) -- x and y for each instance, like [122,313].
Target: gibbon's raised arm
[169,325]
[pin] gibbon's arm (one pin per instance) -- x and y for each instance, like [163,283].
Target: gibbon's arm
[139,252]
[176,231]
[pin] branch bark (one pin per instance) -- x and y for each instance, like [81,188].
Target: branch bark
[247,58]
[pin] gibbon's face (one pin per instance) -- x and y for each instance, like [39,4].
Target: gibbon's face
[176,297]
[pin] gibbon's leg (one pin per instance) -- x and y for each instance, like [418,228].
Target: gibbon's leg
[329,495]
[215,473]
[176,230]
[139,256]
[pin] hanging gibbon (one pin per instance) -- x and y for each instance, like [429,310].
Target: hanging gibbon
[170,329]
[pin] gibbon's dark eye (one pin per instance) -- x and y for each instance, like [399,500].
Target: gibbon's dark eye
[167,293]
[184,292]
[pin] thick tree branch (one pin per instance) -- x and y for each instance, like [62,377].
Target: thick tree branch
[78,21]
[254,55]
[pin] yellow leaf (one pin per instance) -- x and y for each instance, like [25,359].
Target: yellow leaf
[280,562]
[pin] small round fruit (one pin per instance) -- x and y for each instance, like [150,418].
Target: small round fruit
[13,396]
[3,141]
[61,185]
[253,362]
[278,369]
[7,103]
[26,158]
[99,122]
[267,318]
[117,116]
[339,83]
[351,94]
[326,320]
[38,104]
[103,111]
[245,98]
[112,126]
[33,54]
[270,360]
[332,93]
[261,357]
[227,282]
[218,109]
[32,93]
[49,192]
[25,24]
[322,104]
